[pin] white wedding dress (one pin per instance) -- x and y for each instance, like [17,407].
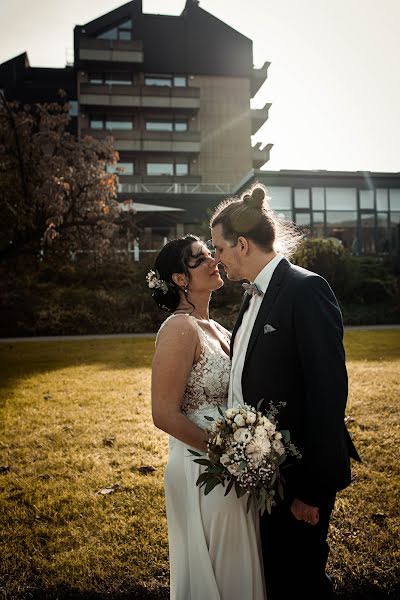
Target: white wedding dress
[214,544]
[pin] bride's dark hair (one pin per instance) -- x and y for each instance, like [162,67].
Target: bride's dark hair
[173,258]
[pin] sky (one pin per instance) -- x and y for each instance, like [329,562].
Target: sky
[334,79]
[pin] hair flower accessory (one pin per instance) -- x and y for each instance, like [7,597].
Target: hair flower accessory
[154,281]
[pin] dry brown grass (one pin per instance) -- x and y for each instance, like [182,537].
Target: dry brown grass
[61,405]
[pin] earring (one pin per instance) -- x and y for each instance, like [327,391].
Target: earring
[185,290]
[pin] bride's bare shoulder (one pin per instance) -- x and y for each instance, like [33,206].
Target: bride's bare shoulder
[178,328]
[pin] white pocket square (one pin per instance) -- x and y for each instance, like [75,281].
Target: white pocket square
[268,328]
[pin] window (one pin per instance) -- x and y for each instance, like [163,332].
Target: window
[366,199]
[394,199]
[96,124]
[122,168]
[73,108]
[318,198]
[160,169]
[165,80]
[164,168]
[121,32]
[119,123]
[111,78]
[112,125]
[382,199]
[301,198]
[342,226]
[341,199]
[280,197]
[179,126]
[303,219]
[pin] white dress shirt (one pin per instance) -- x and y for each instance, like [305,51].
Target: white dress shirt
[243,333]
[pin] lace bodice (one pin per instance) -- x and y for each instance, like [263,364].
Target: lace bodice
[207,385]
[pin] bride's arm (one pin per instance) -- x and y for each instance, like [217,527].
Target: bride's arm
[176,350]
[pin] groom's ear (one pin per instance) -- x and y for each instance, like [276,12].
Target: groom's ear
[242,245]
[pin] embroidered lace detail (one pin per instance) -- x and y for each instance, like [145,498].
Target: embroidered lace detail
[207,385]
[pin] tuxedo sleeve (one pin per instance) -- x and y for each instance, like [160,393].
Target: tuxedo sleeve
[319,338]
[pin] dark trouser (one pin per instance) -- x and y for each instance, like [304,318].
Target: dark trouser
[295,555]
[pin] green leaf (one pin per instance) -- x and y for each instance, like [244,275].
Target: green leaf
[239,490]
[280,489]
[202,461]
[230,486]
[209,418]
[260,403]
[194,453]
[221,412]
[210,485]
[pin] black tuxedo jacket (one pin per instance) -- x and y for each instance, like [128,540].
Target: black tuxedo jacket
[302,363]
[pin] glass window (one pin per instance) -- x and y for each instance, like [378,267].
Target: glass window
[281,197]
[118,125]
[95,78]
[395,218]
[160,169]
[96,124]
[126,25]
[382,199]
[303,219]
[382,219]
[181,169]
[341,199]
[163,81]
[159,125]
[73,108]
[124,35]
[301,198]
[318,217]
[394,199]
[342,226]
[180,81]
[118,78]
[366,199]
[181,125]
[111,34]
[121,168]
[318,199]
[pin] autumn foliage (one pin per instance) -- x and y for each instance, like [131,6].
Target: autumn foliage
[56,196]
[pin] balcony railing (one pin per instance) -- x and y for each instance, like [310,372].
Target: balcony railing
[187,142]
[258,117]
[93,49]
[150,187]
[139,96]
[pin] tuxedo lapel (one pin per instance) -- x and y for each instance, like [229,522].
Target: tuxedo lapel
[267,303]
[243,308]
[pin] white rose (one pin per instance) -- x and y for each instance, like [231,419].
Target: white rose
[242,436]
[268,426]
[278,447]
[239,420]
[152,284]
[231,413]
[250,418]
[234,469]
[225,460]
[260,432]
[278,435]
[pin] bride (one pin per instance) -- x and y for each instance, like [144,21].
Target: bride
[214,544]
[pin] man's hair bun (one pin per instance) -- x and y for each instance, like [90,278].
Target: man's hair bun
[255,199]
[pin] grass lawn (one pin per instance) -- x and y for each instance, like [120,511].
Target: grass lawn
[75,423]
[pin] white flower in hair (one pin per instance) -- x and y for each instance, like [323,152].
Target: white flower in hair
[154,281]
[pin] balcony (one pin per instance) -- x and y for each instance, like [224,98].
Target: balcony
[258,117]
[140,96]
[258,76]
[187,142]
[116,51]
[163,184]
[260,155]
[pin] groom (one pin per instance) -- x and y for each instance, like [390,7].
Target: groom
[287,348]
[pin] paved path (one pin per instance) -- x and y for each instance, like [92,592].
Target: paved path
[121,336]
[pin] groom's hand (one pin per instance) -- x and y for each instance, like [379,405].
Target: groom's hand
[305,512]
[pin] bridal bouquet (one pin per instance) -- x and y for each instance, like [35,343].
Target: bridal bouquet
[246,449]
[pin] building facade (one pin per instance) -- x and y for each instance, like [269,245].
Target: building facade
[174,93]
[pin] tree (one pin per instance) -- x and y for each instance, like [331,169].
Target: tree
[56,196]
